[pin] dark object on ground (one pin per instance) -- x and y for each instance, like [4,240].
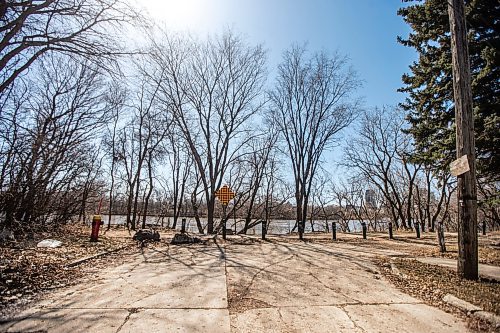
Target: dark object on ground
[184,239]
[7,235]
[146,235]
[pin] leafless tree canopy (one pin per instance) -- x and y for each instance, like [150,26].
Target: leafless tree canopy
[30,29]
[186,116]
[213,90]
[380,154]
[48,128]
[311,103]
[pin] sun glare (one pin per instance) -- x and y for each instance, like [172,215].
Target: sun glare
[177,14]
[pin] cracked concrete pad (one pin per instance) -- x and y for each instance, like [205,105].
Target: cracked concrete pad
[403,318]
[178,320]
[294,319]
[186,255]
[68,320]
[149,285]
[310,276]
[256,255]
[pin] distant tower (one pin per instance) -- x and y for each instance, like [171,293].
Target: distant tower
[370,198]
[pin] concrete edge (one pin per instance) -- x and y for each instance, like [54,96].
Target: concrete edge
[472,309]
[100,254]
[492,318]
[461,304]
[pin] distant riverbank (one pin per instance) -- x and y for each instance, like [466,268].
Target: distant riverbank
[276,227]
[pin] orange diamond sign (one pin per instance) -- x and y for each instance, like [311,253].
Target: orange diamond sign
[224,194]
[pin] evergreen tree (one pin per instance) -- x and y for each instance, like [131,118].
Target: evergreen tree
[429,105]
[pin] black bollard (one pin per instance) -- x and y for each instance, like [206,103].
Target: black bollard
[264,229]
[484,228]
[390,231]
[334,230]
[417,229]
[363,225]
[224,229]
[183,226]
[441,241]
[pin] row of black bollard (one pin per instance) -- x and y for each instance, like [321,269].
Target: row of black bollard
[334,230]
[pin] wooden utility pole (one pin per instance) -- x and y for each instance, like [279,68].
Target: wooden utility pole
[464,121]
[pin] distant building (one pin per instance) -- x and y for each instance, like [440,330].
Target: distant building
[370,198]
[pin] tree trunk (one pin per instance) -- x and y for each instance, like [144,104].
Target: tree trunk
[210,214]
[150,191]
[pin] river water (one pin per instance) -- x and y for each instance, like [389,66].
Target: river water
[276,227]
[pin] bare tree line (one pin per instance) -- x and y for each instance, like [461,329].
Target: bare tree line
[160,130]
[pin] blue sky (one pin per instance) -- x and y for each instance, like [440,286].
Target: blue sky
[364,30]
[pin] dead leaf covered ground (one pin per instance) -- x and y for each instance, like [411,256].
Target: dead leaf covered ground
[26,271]
[431,283]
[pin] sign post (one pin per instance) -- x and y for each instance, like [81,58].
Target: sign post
[224,194]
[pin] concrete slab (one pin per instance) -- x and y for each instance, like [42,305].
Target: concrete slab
[485,271]
[293,319]
[149,285]
[178,320]
[66,320]
[170,294]
[309,287]
[403,318]
[309,276]
[289,287]
[460,303]
[165,289]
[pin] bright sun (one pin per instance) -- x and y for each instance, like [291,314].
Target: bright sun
[177,14]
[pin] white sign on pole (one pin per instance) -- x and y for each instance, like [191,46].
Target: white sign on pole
[459,166]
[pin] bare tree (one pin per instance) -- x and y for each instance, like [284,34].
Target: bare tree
[110,143]
[375,153]
[47,148]
[249,178]
[324,198]
[140,143]
[213,89]
[181,165]
[311,103]
[339,194]
[31,29]
[432,194]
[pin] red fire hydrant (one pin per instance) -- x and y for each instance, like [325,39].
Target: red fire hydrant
[96,223]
